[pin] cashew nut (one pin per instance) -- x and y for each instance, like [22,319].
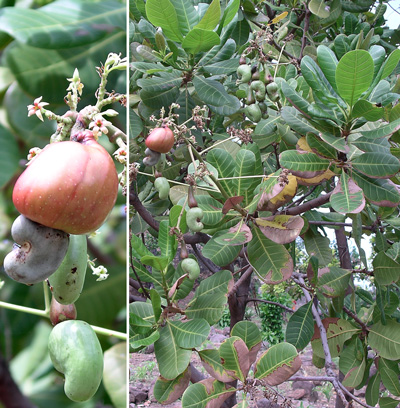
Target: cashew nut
[151,158]
[38,253]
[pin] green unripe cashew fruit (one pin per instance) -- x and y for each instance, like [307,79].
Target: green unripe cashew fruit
[162,186]
[193,219]
[76,352]
[151,158]
[67,281]
[253,112]
[272,88]
[244,73]
[250,97]
[191,267]
[259,90]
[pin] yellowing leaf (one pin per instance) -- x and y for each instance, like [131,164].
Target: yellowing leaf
[302,145]
[314,181]
[279,17]
[284,196]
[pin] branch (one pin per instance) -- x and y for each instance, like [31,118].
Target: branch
[305,30]
[339,224]
[270,302]
[325,346]
[142,211]
[236,286]
[299,200]
[356,318]
[309,205]
[206,262]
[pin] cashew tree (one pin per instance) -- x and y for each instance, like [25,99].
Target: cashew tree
[286,123]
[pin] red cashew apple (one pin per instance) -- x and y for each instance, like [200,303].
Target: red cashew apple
[161,140]
[71,186]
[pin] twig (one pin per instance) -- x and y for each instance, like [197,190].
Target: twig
[143,212]
[299,200]
[206,262]
[356,318]
[309,205]
[245,275]
[270,302]
[305,31]
[338,224]
[325,345]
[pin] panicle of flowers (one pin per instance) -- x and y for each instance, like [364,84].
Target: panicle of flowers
[100,271]
[33,153]
[36,108]
[99,126]
[120,155]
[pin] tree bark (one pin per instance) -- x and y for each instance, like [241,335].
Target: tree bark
[345,263]
[10,394]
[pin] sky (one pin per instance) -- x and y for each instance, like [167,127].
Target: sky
[393,16]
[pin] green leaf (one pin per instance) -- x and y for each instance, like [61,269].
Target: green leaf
[200,40]
[277,364]
[206,393]
[168,391]
[217,283]
[229,13]
[385,339]
[354,75]
[157,262]
[390,63]
[376,165]
[211,16]
[347,197]
[167,242]
[245,162]
[186,13]
[372,391]
[235,357]
[338,331]
[295,99]
[139,341]
[297,121]
[222,161]
[220,254]
[162,13]
[271,261]
[355,376]
[390,380]
[328,62]
[365,109]
[189,334]
[320,147]
[379,191]
[387,402]
[318,246]
[305,165]
[386,270]
[211,361]
[208,307]
[63,24]
[139,325]
[265,132]
[317,7]
[250,334]
[143,310]
[382,131]
[300,327]
[9,156]
[222,67]
[50,68]
[156,303]
[172,360]
[213,93]
[334,282]
[114,375]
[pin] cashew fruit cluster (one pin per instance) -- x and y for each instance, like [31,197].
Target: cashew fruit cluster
[75,351]
[257,89]
[160,140]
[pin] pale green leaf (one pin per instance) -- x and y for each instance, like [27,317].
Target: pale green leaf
[300,327]
[385,339]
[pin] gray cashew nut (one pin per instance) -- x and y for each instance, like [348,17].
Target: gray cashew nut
[151,158]
[38,253]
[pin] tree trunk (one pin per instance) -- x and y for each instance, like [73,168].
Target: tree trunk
[237,308]
[345,263]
